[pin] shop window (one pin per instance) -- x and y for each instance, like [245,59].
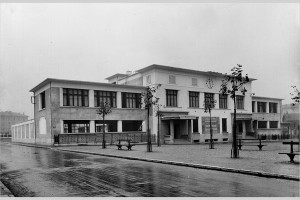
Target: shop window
[261,107]
[223,101]
[239,102]
[131,100]
[76,126]
[273,124]
[131,125]
[171,98]
[272,107]
[110,126]
[262,124]
[105,96]
[75,97]
[194,99]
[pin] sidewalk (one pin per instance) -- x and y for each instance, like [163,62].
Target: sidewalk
[4,192]
[267,163]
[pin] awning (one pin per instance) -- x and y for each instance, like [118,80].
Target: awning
[183,117]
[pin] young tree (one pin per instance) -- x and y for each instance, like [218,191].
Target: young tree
[149,99]
[230,85]
[209,104]
[295,95]
[103,110]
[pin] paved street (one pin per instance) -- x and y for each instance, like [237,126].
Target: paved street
[29,171]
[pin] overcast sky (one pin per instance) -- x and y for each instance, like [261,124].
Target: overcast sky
[90,42]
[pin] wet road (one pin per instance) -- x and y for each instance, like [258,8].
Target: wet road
[38,172]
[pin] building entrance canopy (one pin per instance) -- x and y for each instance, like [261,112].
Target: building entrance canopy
[184,117]
[243,116]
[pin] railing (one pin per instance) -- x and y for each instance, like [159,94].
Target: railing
[110,137]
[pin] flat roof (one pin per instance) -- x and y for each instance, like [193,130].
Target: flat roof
[177,69]
[258,97]
[116,75]
[48,80]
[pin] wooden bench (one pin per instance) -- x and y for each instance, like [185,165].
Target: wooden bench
[259,145]
[125,143]
[291,154]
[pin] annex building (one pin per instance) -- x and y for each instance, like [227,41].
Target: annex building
[69,108]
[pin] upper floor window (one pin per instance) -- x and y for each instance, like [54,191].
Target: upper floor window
[272,107]
[262,124]
[239,102]
[171,98]
[131,100]
[194,82]
[223,101]
[261,107]
[194,99]
[148,79]
[43,100]
[105,96]
[172,79]
[209,98]
[75,97]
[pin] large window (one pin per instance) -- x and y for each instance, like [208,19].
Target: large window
[262,124]
[272,107]
[105,96]
[223,101]
[261,107]
[110,126]
[239,102]
[131,100]
[194,99]
[43,100]
[75,97]
[171,98]
[273,124]
[76,126]
[131,125]
[209,98]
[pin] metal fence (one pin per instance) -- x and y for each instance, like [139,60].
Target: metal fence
[110,137]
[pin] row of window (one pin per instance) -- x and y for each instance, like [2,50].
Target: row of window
[172,80]
[262,107]
[263,124]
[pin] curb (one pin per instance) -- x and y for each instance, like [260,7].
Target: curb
[199,166]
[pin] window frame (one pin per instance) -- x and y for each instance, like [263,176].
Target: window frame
[193,99]
[131,100]
[210,97]
[261,107]
[43,100]
[240,104]
[76,96]
[107,95]
[273,107]
[171,98]
[223,102]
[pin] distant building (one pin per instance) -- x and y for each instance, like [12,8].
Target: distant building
[68,107]
[291,118]
[8,118]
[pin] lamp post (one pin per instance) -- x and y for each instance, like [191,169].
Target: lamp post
[208,105]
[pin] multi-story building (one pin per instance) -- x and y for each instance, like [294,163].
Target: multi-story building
[8,118]
[69,107]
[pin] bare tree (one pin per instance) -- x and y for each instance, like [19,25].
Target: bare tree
[230,85]
[103,110]
[295,95]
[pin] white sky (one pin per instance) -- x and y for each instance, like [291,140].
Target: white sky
[90,42]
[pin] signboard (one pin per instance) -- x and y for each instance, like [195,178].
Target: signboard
[187,117]
[215,124]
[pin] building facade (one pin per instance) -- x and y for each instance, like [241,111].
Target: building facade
[8,118]
[69,107]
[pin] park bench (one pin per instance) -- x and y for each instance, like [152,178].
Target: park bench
[126,143]
[259,145]
[291,154]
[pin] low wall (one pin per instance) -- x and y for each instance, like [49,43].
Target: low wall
[23,132]
[269,131]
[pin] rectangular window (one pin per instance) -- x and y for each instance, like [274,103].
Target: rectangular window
[261,107]
[253,106]
[224,124]
[262,124]
[43,100]
[272,107]
[172,79]
[273,124]
[194,82]
[194,99]
[148,79]
[171,98]
[209,98]
[223,101]
[239,102]
[195,126]
[131,125]
[75,97]
[76,126]
[110,126]
[131,100]
[105,96]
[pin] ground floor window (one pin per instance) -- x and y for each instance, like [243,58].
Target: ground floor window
[224,125]
[262,124]
[132,125]
[195,126]
[76,126]
[110,126]
[273,124]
